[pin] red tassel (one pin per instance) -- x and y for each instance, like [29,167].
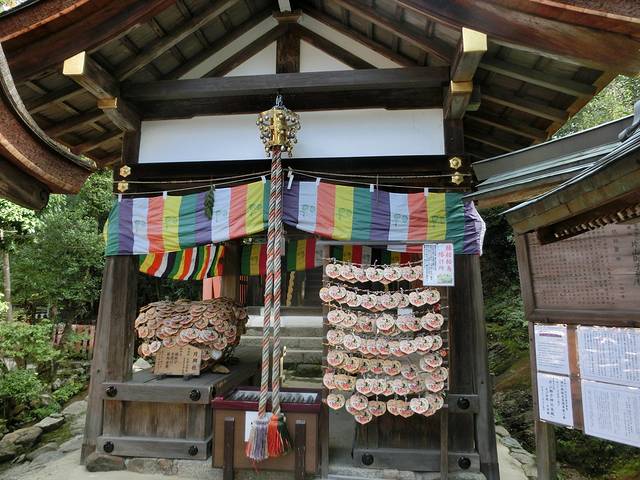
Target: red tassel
[278,439]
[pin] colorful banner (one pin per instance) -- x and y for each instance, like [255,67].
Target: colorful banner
[338,212]
[254,259]
[172,223]
[352,253]
[358,214]
[303,255]
[190,264]
[300,255]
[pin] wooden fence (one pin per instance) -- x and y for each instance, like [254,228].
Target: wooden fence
[84,346]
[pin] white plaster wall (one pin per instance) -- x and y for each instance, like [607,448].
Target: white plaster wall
[339,133]
[262,63]
[313,59]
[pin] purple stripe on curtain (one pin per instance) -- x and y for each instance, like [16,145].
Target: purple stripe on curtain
[474,228]
[291,203]
[125,226]
[381,216]
[203,224]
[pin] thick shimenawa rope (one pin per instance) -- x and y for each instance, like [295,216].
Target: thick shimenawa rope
[256,448]
[279,441]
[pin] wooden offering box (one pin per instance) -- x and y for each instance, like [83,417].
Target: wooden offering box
[166,417]
[302,409]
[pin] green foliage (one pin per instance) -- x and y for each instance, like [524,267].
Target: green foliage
[62,267]
[18,224]
[68,390]
[21,385]
[614,101]
[27,343]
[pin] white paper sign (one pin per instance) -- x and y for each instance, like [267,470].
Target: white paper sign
[437,265]
[611,412]
[249,418]
[554,399]
[610,354]
[552,349]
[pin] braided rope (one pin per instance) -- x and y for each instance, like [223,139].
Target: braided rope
[277,280]
[268,299]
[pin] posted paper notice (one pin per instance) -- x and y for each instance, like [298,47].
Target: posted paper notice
[611,412]
[554,399]
[610,355]
[552,348]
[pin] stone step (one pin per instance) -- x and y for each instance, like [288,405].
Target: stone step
[288,332]
[309,343]
[295,356]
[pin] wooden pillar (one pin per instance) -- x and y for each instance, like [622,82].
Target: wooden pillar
[470,303]
[114,340]
[230,281]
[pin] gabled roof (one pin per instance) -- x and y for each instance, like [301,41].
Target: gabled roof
[606,192]
[520,175]
[540,67]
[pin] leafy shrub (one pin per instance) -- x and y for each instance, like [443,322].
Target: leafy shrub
[27,343]
[67,391]
[21,385]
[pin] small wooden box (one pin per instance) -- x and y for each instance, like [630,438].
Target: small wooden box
[309,412]
[165,417]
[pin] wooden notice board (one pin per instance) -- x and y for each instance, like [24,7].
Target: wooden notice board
[591,279]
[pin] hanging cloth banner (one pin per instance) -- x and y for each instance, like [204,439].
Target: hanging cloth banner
[190,264]
[357,214]
[159,224]
[352,254]
[254,259]
[301,255]
[389,258]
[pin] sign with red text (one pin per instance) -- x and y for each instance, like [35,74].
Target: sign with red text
[437,265]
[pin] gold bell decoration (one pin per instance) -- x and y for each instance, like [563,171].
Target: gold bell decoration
[457,178]
[455,163]
[278,127]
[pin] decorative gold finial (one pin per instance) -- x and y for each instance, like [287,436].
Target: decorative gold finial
[278,127]
[455,163]
[125,171]
[457,178]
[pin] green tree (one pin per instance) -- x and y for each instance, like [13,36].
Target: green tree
[62,267]
[17,225]
[614,101]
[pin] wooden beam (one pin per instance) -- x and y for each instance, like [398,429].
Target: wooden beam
[120,113]
[403,30]
[41,103]
[512,126]
[89,75]
[20,188]
[528,106]
[217,45]
[74,122]
[97,22]
[341,100]
[288,52]
[288,83]
[332,49]
[539,78]
[161,45]
[247,52]
[471,47]
[456,99]
[93,143]
[354,35]
[489,140]
[585,46]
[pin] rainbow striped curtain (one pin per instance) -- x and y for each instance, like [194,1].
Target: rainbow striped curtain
[300,255]
[190,264]
[172,223]
[352,253]
[357,214]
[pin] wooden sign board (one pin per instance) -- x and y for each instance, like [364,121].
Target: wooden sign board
[183,360]
[591,278]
